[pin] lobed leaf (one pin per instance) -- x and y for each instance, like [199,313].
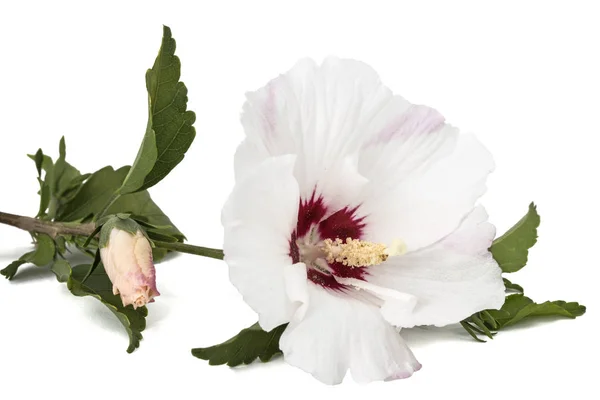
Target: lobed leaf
[517,308]
[169,130]
[248,345]
[521,307]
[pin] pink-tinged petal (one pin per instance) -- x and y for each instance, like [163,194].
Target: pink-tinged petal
[450,280]
[332,333]
[127,260]
[143,255]
[400,122]
[430,200]
[318,112]
[258,219]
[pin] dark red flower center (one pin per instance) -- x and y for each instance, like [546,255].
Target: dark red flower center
[317,222]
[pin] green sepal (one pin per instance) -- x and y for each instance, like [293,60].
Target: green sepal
[93,234]
[97,261]
[245,347]
[121,222]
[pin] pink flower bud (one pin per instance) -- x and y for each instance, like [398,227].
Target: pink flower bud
[127,259]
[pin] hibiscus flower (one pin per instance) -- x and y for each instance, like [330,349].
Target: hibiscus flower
[353,215]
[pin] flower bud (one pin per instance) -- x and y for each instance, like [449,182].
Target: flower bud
[127,259]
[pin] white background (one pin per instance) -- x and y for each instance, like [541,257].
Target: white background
[523,77]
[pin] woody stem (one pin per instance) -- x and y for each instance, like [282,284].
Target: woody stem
[50,228]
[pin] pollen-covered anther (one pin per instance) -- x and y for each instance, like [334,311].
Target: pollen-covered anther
[355,252]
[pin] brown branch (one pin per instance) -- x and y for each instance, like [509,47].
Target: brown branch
[50,228]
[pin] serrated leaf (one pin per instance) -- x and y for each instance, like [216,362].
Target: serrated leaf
[521,307]
[511,249]
[517,308]
[99,286]
[248,345]
[509,286]
[169,130]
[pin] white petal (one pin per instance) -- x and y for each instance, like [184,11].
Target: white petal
[258,219]
[403,139]
[319,112]
[332,333]
[395,305]
[426,198]
[248,156]
[451,279]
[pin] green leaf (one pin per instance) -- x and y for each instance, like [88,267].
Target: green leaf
[93,195]
[44,198]
[39,159]
[96,192]
[44,252]
[512,286]
[521,307]
[47,162]
[62,179]
[248,345]
[517,308]
[511,249]
[98,189]
[141,206]
[62,270]
[61,244]
[98,285]
[63,172]
[11,270]
[169,131]
[471,330]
